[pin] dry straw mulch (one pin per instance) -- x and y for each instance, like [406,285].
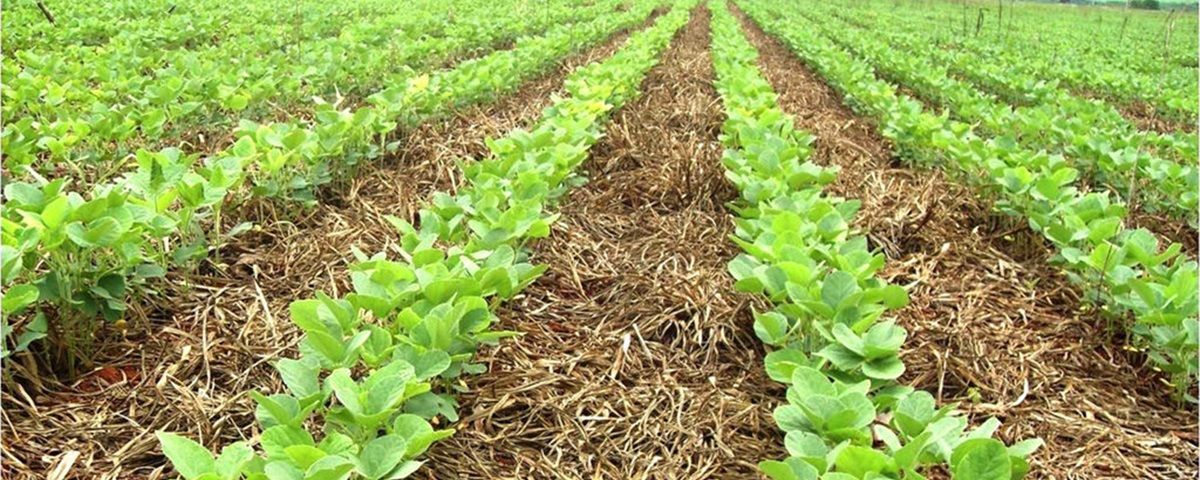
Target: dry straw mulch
[1146,117]
[637,359]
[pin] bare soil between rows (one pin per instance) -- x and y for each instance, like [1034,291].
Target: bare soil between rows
[991,324]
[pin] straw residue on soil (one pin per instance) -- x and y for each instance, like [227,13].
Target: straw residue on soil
[1147,118]
[189,368]
[989,316]
[637,359]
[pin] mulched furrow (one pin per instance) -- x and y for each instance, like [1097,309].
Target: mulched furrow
[991,323]
[207,345]
[1146,117]
[638,359]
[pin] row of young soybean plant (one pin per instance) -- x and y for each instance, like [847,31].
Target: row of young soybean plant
[832,348]
[378,364]
[1103,57]
[1124,272]
[74,259]
[92,28]
[1132,40]
[153,90]
[999,69]
[1021,85]
[1092,137]
[1122,71]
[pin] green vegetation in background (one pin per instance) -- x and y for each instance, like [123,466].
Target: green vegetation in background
[1130,58]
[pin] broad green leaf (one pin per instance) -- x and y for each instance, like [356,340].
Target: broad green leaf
[17,297]
[332,467]
[782,364]
[283,470]
[981,459]
[278,409]
[303,456]
[810,381]
[771,327]
[346,390]
[837,287]
[101,232]
[841,358]
[404,470]
[189,458]
[300,376]
[861,461]
[1025,448]
[894,297]
[790,469]
[417,433]
[888,368]
[380,456]
[336,443]
[277,439]
[790,418]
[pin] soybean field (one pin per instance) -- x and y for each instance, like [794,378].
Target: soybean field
[599,239]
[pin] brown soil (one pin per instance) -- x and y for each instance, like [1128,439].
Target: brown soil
[190,366]
[988,314]
[637,359]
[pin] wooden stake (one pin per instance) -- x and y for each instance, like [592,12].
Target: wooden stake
[46,12]
[999,14]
